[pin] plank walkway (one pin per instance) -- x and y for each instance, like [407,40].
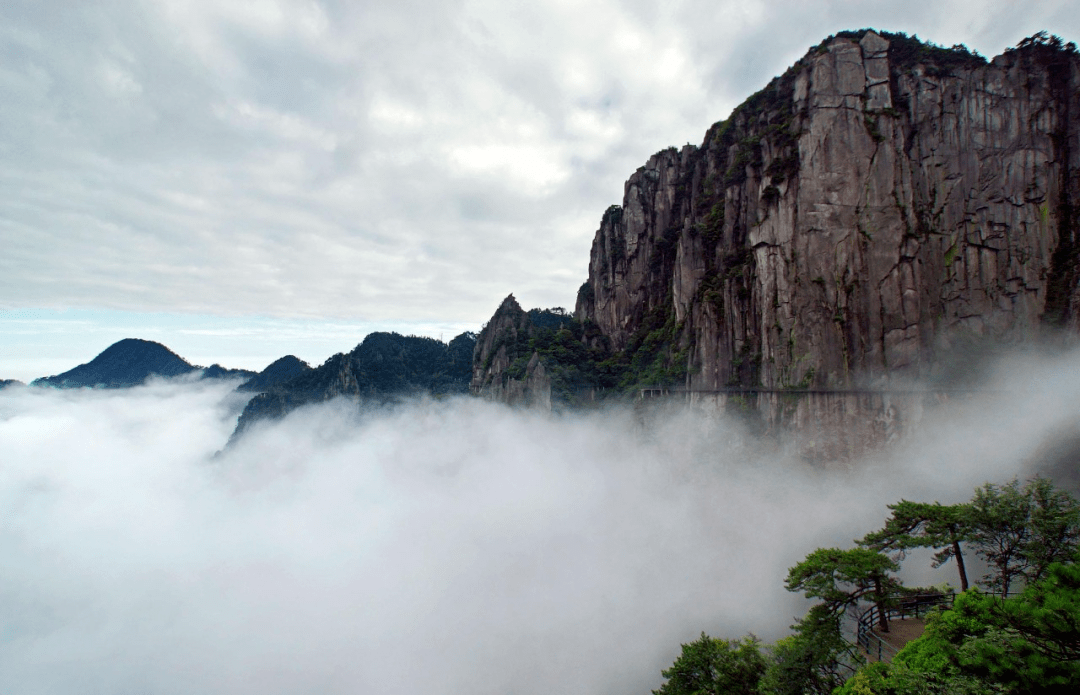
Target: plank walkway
[901,631]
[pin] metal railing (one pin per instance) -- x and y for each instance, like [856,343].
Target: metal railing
[658,391]
[906,607]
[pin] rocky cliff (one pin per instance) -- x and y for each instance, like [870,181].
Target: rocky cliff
[880,204]
[506,367]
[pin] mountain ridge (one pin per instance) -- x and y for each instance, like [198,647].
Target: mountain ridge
[384,367]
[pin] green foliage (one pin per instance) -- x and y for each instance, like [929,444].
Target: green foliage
[840,578]
[1019,532]
[881,678]
[983,645]
[747,153]
[951,253]
[1055,527]
[905,52]
[651,356]
[711,666]
[713,229]
[999,516]
[585,293]
[613,215]
[812,659]
[977,641]
[922,525]
[1029,643]
[1044,41]
[562,344]
[766,116]
[1047,613]
[557,339]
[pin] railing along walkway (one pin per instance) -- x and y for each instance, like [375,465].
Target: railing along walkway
[909,607]
[646,392]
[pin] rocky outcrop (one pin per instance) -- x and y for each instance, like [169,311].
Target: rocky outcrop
[502,344]
[873,210]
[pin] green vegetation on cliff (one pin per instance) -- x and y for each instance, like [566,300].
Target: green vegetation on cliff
[579,361]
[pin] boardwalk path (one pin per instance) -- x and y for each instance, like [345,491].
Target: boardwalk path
[900,633]
[906,622]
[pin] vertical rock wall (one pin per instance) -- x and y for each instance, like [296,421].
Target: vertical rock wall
[875,207]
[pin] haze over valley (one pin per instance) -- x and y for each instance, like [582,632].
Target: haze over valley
[443,546]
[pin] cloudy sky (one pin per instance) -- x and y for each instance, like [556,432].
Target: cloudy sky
[246,180]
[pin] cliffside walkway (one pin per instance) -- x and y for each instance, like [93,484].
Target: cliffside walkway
[906,622]
[662,392]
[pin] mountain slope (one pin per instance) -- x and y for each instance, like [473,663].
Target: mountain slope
[384,367]
[128,362]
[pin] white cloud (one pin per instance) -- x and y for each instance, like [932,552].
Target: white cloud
[443,547]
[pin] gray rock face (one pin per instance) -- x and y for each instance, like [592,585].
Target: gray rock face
[496,347]
[871,211]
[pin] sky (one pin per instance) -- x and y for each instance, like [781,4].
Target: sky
[246,180]
[440,547]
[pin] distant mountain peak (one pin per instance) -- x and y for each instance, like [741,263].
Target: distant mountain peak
[130,362]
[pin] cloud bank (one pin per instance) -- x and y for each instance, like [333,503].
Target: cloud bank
[442,547]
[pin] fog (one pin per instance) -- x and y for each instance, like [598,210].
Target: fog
[449,546]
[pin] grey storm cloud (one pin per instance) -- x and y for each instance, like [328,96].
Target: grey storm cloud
[372,160]
[451,546]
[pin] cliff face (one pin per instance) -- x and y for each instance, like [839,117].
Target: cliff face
[877,206]
[501,344]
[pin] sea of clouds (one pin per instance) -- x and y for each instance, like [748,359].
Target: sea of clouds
[438,547]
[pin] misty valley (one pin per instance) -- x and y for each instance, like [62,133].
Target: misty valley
[459,545]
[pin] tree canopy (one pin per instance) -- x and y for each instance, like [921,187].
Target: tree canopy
[711,666]
[998,642]
[922,525]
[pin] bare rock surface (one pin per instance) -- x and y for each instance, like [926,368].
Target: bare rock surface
[497,346]
[878,207]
